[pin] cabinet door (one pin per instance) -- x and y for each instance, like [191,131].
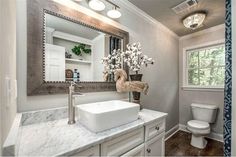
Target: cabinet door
[154,129]
[138,151]
[155,146]
[90,152]
[122,144]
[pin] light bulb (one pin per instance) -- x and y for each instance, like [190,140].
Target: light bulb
[96,5]
[115,14]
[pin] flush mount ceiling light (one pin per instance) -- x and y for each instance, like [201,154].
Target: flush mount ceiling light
[96,5]
[194,21]
[114,13]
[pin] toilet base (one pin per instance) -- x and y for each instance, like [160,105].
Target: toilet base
[198,141]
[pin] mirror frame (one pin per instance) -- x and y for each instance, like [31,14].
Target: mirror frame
[36,85]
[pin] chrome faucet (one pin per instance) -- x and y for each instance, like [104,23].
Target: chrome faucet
[71,102]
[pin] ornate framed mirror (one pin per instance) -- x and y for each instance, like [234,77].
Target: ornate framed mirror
[66,45]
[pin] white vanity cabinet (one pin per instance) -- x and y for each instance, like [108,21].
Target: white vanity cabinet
[145,141]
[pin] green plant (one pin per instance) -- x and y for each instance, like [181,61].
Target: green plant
[81,48]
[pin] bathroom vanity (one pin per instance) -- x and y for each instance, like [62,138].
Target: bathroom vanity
[46,133]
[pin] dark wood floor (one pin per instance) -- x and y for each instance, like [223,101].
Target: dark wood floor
[179,145]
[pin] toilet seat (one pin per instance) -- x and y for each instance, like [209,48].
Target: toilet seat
[197,124]
[198,127]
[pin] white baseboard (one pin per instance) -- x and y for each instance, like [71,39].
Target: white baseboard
[183,128]
[171,132]
[212,135]
[216,136]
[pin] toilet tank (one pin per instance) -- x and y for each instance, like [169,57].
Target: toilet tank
[204,112]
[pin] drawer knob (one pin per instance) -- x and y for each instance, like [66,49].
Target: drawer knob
[149,150]
[157,128]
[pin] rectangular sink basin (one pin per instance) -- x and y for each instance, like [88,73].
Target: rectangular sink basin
[101,116]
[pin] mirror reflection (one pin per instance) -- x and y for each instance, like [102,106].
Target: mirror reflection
[73,52]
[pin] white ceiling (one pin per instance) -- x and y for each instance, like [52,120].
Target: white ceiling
[69,27]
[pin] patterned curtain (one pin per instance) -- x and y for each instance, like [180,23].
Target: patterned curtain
[228,81]
[115,43]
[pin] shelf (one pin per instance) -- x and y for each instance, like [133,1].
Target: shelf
[78,61]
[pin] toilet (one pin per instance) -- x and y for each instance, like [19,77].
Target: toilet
[203,115]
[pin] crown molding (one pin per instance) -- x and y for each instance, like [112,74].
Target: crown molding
[209,30]
[131,7]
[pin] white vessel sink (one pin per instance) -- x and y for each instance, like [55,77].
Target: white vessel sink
[101,116]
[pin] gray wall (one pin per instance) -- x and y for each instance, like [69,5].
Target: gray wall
[158,42]
[7,65]
[162,77]
[207,97]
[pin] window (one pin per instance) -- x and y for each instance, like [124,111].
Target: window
[206,66]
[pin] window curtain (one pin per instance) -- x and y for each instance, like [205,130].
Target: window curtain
[228,81]
[115,43]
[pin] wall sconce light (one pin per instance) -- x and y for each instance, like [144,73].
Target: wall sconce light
[96,5]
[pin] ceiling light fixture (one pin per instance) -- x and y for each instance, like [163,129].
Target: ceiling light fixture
[96,5]
[114,13]
[194,21]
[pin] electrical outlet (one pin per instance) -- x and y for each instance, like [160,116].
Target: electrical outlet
[15,90]
[8,91]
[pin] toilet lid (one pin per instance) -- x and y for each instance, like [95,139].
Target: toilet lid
[197,124]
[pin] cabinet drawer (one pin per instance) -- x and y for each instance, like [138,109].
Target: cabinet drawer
[138,151]
[90,152]
[155,146]
[122,144]
[154,129]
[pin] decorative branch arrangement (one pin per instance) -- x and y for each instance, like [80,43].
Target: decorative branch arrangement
[112,62]
[135,58]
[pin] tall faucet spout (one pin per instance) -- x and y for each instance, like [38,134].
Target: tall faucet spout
[71,103]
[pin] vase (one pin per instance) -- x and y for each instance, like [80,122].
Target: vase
[111,78]
[136,95]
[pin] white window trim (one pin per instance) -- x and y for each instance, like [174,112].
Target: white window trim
[205,88]
[185,73]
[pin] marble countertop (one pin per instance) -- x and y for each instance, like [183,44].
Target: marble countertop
[57,138]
